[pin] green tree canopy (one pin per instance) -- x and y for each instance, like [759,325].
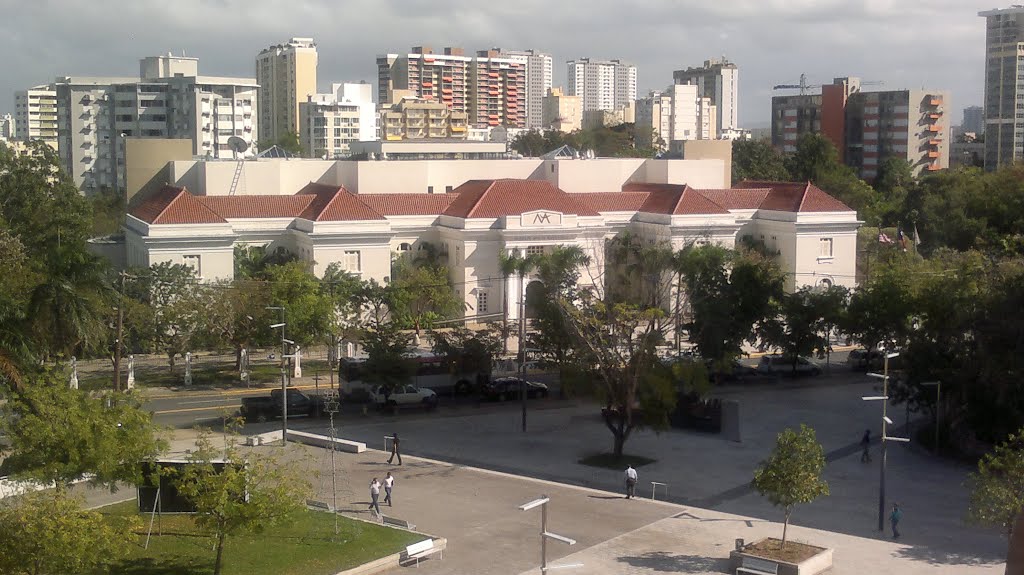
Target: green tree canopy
[792,473]
[757,160]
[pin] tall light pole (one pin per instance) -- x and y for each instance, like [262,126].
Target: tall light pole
[884,398]
[284,376]
[542,502]
[938,409]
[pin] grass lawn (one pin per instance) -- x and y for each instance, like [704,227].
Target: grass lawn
[610,461]
[306,546]
[219,375]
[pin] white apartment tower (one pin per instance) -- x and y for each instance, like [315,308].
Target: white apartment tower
[1004,66]
[717,79]
[286,74]
[677,114]
[8,128]
[329,123]
[602,84]
[539,73]
[168,100]
[35,114]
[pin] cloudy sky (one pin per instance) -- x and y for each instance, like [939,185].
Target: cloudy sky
[904,43]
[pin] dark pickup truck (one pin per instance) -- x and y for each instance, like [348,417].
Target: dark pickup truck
[263,408]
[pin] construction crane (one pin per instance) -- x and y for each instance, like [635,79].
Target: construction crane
[804,87]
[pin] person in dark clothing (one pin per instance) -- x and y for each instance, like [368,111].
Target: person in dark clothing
[865,446]
[395,450]
[894,519]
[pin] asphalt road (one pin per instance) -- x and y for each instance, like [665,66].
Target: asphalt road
[188,408]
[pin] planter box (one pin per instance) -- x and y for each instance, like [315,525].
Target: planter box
[820,562]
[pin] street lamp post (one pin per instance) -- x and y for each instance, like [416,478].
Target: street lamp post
[542,502]
[938,409]
[284,376]
[884,398]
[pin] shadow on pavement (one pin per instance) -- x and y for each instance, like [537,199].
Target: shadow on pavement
[150,566]
[946,556]
[670,563]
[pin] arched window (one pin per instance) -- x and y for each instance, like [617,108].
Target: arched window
[404,247]
[825,283]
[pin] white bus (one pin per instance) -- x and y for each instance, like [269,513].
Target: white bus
[432,372]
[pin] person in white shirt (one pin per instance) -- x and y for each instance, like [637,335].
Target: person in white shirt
[630,482]
[389,482]
[374,495]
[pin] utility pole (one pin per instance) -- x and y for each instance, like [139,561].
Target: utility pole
[284,376]
[522,346]
[118,344]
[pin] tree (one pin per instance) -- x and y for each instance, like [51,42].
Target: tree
[61,435]
[792,473]
[342,290]
[288,141]
[176,307]
[882,310]
[244,495]
[466,351]
[519,266]
[806,319]
[387,362]
[48,533]
[307,308]
[817,160]
[728,293]
[559,273]
[237,316]
[997,495]
[17,280]
[422,293]
[757,160]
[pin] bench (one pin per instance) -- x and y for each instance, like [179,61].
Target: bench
[324,441]
[418,551]
[755,566]
[396,522]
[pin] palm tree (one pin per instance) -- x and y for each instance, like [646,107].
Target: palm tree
[67,309]
[519,266]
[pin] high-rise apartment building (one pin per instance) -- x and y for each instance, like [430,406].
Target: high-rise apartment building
[1004,92]
[868,127]
[602,84]
[717,79]
[974,120]
[677,114]
[8,129]
[488,87]
[539,73]
[420,119]
[286,74]
[561,112]
[168,100]
[35,114]
[329,123]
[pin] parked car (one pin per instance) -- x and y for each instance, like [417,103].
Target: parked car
[504,388]
[735,371]
[783,365]
[864,359]
[268,407]
[403,395]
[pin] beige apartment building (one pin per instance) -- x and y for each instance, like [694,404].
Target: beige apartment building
[35,114]
[330,123]
[419,119]
[562,113]
[286,75]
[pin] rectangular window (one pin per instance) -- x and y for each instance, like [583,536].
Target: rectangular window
[481,302]
[825,248]
[351,261]
[535,250]
[194,262]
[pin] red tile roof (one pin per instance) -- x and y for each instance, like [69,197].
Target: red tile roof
[497,198]
[172,205]
[612,201]
[334,204]
[408,204]
[257,206]
[795,197]
[737,199]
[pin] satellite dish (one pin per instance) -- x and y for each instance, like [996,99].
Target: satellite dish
[237,145]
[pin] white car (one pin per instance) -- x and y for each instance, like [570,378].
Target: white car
[404,395]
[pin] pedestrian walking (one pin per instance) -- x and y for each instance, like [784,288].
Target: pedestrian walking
[630,482]
[894,519]
[374,495]
[865,447]
[389,482]
[395,450]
